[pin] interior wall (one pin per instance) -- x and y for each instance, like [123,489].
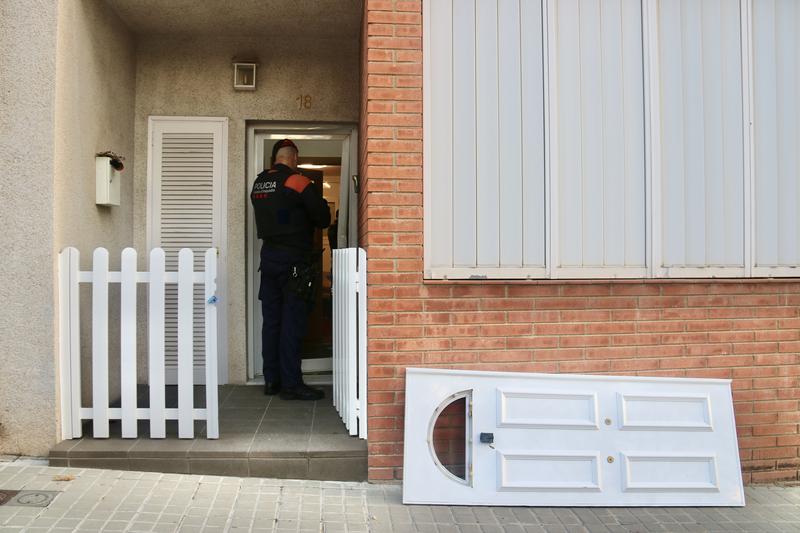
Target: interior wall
[194,77]
[331,194]
[27,81]
[94,112]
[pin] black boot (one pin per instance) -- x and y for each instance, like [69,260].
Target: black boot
[302,392]
[272,388]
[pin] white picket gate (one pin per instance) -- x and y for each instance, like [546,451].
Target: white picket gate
[70,278]
[350,338]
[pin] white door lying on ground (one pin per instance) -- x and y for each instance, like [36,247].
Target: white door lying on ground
[567,440]
[187,166]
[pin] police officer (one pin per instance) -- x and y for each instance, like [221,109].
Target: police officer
[287,211]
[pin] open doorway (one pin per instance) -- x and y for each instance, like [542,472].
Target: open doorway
[328,155]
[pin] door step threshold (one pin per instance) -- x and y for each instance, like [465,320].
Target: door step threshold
[309,378]
[318,378]
[260,436]
[321,465]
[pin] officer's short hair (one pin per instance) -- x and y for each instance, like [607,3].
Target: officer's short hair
[283,143]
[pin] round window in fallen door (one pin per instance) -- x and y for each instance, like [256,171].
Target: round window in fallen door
[449,437]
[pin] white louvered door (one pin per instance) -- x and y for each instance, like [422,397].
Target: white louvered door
[186,180]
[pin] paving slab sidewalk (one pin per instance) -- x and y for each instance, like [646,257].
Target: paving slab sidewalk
[121,501]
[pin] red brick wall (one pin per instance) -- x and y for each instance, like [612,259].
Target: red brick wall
[748,331]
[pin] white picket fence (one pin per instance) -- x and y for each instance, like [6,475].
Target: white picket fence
[350,338]
[70,278]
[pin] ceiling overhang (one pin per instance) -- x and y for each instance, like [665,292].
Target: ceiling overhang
[297,19]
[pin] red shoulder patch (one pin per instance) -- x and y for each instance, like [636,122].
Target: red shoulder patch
[297,182]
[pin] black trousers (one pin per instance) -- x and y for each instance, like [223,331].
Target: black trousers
[285,317]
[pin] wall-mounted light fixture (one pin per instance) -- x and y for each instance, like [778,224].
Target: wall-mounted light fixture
[244,75]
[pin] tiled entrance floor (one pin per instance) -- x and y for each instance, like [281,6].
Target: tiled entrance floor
[260,436]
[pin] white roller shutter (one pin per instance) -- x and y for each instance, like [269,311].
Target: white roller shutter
[701,178]
[186,180]
[484,150]
[611,138]
[597,123]
[776,128]
[487,122]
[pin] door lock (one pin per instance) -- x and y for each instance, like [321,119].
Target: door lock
[487,438]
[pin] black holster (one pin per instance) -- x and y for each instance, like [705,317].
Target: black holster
[303,279]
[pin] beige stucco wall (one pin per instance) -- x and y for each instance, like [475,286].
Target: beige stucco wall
[95,95]
[193,77]
[27,81]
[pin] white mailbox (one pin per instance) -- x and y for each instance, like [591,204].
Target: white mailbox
[108,179]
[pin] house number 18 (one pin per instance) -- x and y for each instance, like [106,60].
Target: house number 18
[303,101]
